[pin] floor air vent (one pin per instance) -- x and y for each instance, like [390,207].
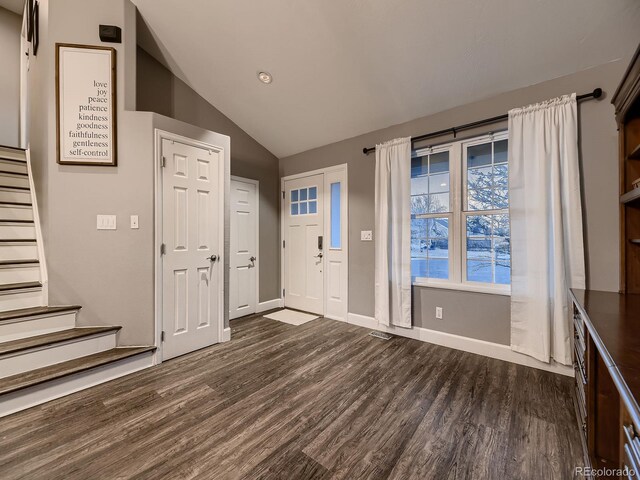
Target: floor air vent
[380,335]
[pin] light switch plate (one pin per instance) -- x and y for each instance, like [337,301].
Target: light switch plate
[106,222]
[366,235]
[134,221]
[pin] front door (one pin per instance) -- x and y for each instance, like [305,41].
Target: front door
[244,254]
[304,244]
[190,220]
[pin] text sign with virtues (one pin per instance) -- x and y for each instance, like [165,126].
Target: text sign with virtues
[86,105]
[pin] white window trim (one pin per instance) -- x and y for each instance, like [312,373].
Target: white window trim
[458,217]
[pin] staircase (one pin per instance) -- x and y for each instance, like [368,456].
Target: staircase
[43,354]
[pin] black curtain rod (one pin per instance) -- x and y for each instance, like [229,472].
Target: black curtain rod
[597,93]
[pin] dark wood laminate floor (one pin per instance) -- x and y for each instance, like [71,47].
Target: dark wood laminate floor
[322,400]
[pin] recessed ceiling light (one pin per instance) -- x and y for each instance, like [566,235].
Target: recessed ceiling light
[265,77]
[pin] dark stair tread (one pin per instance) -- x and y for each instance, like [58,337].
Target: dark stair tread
[13,187]
[19,286]
[19,149]
[8,172]
[32,311]
[13,204]
[15,160]
[8,263]
[59,370]
[9,220]
[18,240]
[22,344]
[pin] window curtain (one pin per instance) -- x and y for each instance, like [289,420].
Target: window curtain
[546,226]
[393,233]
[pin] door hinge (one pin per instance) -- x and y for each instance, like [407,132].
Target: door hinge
[282,243]
[283,293]
[163,162]
[163,249]
[283,194]
[162,336]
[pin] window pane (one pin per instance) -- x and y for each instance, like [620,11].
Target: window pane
[294,209]
[501,176]
[303,208]
[500,151]
[303,194]
[479,249]
[313,207]
[430,247]
[488,249]
[480,199]
[479,271]
[438,202]
[479,225]
[500,198]
[419,185]
[313,193]
[479,155]
[419,204]
[478,178]
[438,183]
[439,162]
[294,195]
[335,215]
[419,166]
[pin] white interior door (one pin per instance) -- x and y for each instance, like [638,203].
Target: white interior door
[304,242]
[244,248]
[191,212]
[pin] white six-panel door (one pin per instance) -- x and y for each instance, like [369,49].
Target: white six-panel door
[244,248]
[304,244]
[190,220]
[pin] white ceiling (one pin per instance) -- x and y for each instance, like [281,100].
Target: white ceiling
[346,67]
[15,6]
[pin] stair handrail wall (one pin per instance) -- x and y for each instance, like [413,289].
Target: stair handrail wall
[44,278]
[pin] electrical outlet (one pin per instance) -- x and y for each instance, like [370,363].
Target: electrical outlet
[134,221]
[439,313]
[366,235]
[106,222]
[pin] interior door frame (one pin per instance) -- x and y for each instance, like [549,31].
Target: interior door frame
[342,168]
[161,135]
[257,267]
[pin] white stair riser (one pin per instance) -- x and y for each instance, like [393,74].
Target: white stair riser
[19,252]
[32,326]
[52,354]
[13,166]
[11,153]
[16,213]
[15,196]
[30,397]
[27,299]
[30,273]
[20,232]
[14,180]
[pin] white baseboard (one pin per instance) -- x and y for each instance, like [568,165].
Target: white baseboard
[226,334]
[466,344]
[269,305]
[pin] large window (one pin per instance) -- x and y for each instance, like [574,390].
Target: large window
[460,215]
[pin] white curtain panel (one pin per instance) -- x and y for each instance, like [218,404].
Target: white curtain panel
[393,233]
[547,248]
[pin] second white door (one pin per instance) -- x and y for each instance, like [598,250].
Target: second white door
[304,244]
[244,248]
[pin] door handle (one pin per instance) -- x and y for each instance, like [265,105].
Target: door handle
[213,258]
[253,262]
[318,255]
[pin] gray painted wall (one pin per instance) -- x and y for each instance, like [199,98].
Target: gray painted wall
[475,315]
[10,28]
[158,90]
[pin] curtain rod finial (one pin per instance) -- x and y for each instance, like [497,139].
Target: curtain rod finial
[597,93]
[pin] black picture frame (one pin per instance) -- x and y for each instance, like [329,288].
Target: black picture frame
[30,20]
[36,27]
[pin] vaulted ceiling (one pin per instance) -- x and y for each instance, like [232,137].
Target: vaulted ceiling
[346,67]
